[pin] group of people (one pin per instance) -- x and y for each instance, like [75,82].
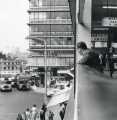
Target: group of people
[43,114]
[33,113]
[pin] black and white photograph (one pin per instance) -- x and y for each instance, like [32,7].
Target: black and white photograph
[36,59]
[58,60]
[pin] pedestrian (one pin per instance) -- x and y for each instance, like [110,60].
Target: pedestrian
[111,62]
[51,115]
[101,58]
[42,115]
[44,107]
[63,105]
[19,117]
[62,113]
[88,57]
[34,112]
[34,108]
[43,111]
[27,114]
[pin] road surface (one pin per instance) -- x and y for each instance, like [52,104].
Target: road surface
[14,102]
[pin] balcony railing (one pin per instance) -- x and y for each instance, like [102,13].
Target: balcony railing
[52,55]
[52,47]
[50,21]
[51,34]
[48,8]
[51,61]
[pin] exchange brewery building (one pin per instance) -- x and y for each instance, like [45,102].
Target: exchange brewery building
[51,40]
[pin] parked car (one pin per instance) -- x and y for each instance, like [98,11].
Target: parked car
[5,87]
[23,85]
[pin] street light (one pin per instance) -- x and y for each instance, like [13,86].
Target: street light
[45,64]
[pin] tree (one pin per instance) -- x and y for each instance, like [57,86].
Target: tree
[2,56]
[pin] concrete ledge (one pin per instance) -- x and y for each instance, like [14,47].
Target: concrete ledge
[69,114]
[97,95]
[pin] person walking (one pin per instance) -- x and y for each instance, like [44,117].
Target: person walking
[27,114]
[62,113]
[43,111]
[34,108]
[42,115]
[19,117]
[51,115]
[34,112]
[111,62]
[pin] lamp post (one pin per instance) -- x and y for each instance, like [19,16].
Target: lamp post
[45,65]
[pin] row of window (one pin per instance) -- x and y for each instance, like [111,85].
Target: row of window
[108,21]
[39,3]
[55,41]
[111,18]
[10,68]
[54,53]
[10,72]
[49,15]
[49,8]
[52,28]
[113,21]
[9,63]
[98,39]
[61,61]
[99,35]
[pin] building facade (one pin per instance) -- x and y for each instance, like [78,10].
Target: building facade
[10,68]
[50,35]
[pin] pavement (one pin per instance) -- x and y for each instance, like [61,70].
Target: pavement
[107,73]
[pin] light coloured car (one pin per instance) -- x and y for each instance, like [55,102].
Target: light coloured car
[5,87]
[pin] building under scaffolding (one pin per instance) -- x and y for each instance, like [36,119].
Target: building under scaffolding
[50,31]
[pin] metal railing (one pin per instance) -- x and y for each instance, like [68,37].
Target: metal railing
[59,34]
[52,61]
[50,21]
[52,46]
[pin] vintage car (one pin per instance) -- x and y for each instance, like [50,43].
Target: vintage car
[5,87]
[23,85]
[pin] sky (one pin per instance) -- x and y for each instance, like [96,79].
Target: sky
[13,25]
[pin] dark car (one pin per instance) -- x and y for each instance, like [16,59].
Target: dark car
[23,85]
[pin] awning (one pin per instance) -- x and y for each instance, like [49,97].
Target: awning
[67,72]
[60,97]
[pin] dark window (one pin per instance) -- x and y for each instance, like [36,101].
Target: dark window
[4,68]
[12,68]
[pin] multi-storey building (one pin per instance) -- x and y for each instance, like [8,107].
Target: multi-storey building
[11,67]
[50,30]
[104,21]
